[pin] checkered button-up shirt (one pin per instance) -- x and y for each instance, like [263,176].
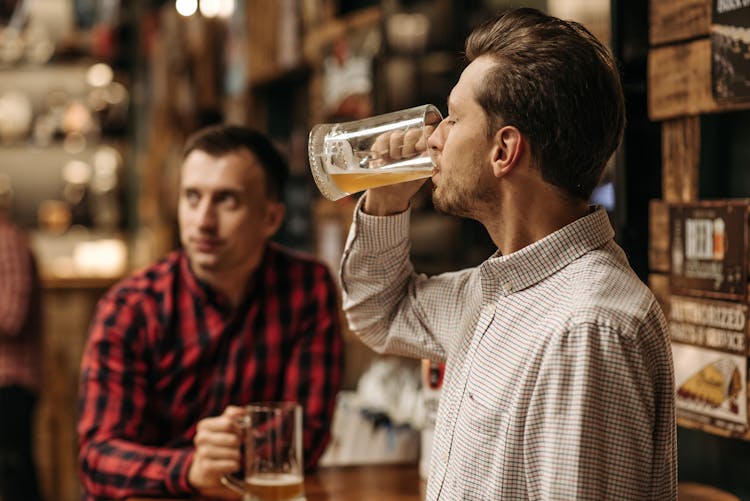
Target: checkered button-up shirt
[20,310]
[559,379]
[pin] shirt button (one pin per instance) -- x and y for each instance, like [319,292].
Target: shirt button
[507,287]
[444,457]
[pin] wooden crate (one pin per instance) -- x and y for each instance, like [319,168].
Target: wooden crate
[679,74]
[705,343]
[679,82]
[673,20]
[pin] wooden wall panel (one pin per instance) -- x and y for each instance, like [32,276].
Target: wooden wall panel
[659,285]
[679,90]
[681,139]
[67,313]
[673,20]
[658,236]
[263,40]
[679,82]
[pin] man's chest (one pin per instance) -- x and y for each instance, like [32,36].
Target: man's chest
[484,400]
[197,373]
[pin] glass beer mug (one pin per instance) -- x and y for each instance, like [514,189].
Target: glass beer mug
[272,464]
[349,157]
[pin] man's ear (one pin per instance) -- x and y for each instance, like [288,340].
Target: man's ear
[275,212]
[508,146]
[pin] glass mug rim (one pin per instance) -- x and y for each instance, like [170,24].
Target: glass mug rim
[271,405]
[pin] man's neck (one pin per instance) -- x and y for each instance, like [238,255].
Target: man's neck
[527,217]
[230,283]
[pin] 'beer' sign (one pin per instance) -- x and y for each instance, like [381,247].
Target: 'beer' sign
[708,249]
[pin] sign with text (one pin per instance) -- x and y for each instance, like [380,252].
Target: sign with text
[730,49]
[708,248]
[710,348]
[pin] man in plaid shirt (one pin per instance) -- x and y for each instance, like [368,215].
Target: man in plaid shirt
[559,379]
[175,349]
[20,356]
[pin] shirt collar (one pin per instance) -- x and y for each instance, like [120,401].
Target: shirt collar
[514,272]
[209,295]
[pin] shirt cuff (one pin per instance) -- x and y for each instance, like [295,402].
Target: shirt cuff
[177,473]
[381,232]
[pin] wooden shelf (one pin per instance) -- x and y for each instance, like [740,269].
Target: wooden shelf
[326,33]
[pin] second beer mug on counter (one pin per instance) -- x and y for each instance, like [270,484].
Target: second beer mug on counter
[386,149]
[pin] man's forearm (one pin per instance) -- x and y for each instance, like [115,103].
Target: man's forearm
[374,269]
[117,469]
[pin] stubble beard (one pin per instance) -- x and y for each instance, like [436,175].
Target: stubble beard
[452,206]
[203,265]
[462,203]
[464,199]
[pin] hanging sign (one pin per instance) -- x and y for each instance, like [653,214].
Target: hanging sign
[709,348]
[708,249]
[730,50]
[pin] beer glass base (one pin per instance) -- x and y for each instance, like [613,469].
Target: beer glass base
[316,155]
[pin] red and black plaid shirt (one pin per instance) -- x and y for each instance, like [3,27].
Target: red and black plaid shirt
[166,351]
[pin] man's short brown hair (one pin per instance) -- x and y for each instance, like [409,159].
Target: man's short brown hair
[559,86]
[218,140]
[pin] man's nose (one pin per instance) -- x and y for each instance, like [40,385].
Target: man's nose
[435,142]
[206,214]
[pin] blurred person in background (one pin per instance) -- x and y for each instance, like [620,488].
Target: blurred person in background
[20,356]
[559,381]
[232,318]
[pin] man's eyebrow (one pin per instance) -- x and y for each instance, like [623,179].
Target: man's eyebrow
[219,192]
[227,191]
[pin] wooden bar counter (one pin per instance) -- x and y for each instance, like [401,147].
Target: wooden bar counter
[360,483]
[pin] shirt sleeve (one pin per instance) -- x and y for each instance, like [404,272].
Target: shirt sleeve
[313,375]
[15,284]
[390,307]
[585,436]
[114,460]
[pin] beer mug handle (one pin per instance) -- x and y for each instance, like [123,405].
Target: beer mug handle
[227,480]
[233,484]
